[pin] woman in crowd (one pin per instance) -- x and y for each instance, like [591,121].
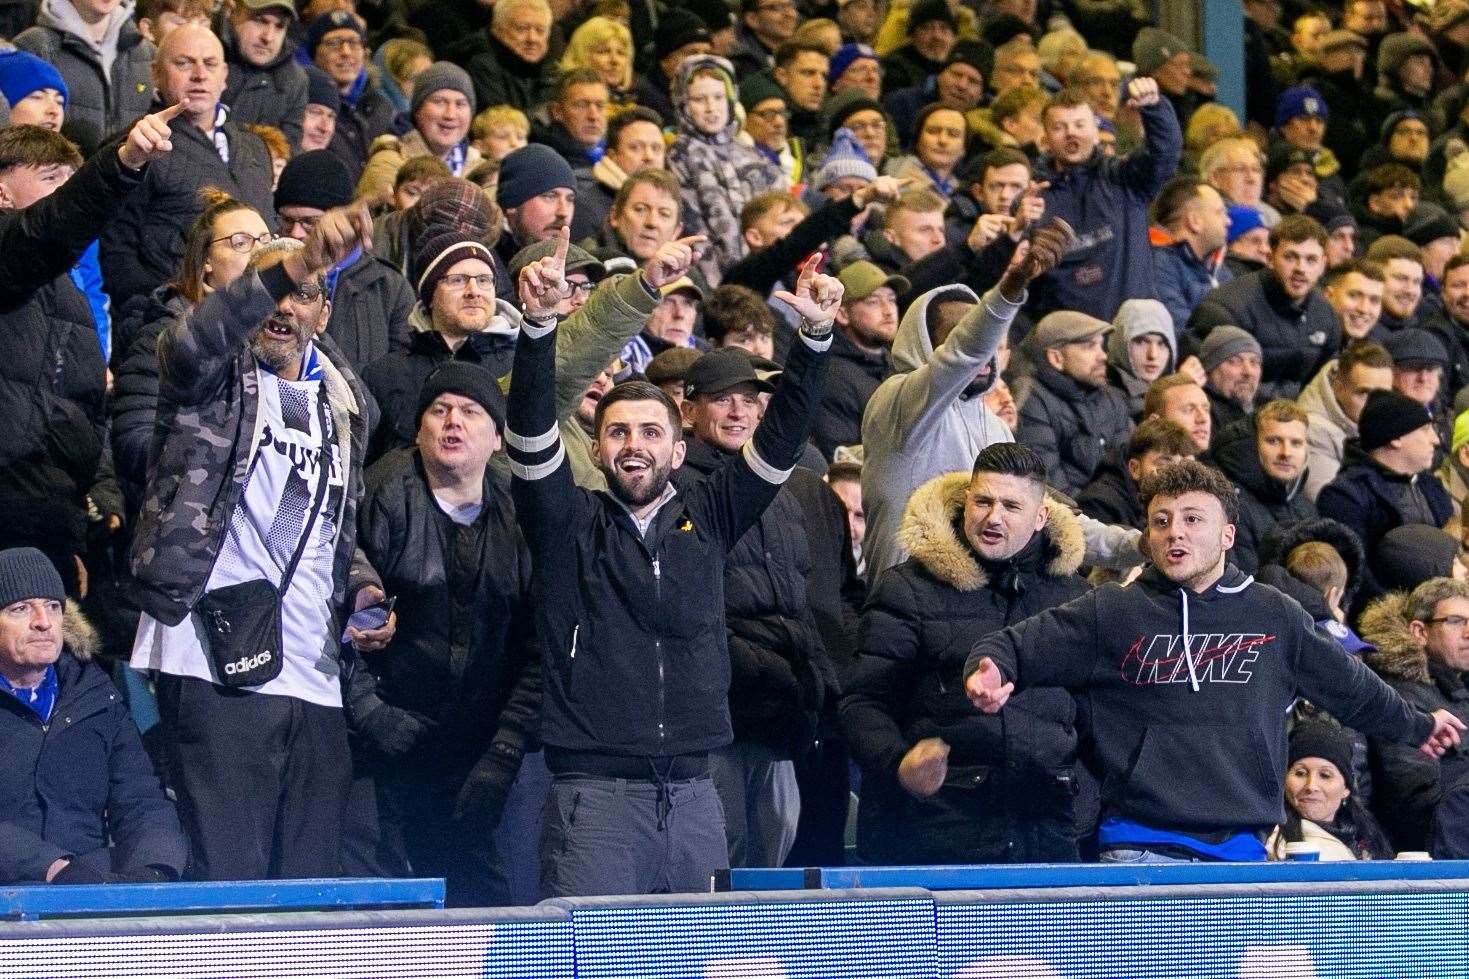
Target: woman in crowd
[1320,807]
[604,45]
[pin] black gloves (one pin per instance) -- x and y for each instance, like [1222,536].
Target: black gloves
[77,872]
[393,730]
[482,799]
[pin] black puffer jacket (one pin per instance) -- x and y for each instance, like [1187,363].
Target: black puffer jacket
[1267,505]
[1407,784]
[1007,795]
[780,675]
[1297,340]
[1073,427]
[461,655]
[274,95]
[394,380]
[52,376]
[1112,497]
[854,375]
[134,403]
[144,244]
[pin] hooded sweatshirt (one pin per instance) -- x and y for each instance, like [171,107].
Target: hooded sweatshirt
[927,420]
[1328,430]
[1137,318]
[108,81]
[1188,692]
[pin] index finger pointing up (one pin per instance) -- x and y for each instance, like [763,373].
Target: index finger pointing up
[563,242]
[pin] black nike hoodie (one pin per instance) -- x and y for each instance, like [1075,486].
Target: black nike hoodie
[1194,741]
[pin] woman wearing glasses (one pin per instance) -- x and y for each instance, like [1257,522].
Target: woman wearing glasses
[216,250]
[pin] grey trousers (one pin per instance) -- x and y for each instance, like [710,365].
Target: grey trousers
[762,803]
[615,836]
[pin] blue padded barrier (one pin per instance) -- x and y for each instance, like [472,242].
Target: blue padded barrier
[101,900]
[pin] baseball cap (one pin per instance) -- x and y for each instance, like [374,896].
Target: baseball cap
[862,279]
[720,370]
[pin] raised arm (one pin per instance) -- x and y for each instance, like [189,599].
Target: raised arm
[1147,169]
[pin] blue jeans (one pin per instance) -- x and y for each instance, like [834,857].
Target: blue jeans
[1142,856]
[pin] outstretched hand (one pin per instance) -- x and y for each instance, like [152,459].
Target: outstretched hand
[1446,734]
[543,284]
[986,687]
[337,234]
[150,137]
[673,260]
[816,298]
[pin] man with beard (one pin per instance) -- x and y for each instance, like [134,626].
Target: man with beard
[1281,308]
[1189,672]
[1333,403]
[1069,414]
[1453,329]
[256,736]
[1231,359]
[866,325]
[537,192]
[636,672]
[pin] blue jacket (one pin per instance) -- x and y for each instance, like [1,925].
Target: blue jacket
[1181,278]
[1105,200]
[80,781]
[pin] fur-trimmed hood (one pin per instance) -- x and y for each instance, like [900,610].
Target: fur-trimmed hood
[78,634]
[1397,657]
[929,533]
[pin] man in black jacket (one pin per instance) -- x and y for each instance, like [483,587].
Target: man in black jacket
[371,301]
[517,70]
[1265,455]
[866,325]
[144,243]
[1189,672]
[52,376]
[337,45]
[266,84]
[1068,412]
[780,675]
[1280,307]
[941,783]
[444,713]
[635,665]
[1112,496]
[1422,651]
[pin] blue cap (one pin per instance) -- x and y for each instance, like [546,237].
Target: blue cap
[1301,100]
[846,54]
[1242,220]
[22,73]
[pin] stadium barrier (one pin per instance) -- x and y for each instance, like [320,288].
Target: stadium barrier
[1290,921]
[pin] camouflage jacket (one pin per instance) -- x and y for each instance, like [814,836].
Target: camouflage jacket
[204,439]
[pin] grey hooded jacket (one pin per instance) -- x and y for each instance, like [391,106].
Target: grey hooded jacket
[108,83]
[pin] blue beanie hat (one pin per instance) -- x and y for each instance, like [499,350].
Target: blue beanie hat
[1302,100]
[1242,220]
[844,159]
[530,171]
[846,54]
[22,73]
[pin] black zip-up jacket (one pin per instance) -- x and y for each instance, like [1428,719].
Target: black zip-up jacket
[461,655]
[271,95]
[1267,506]
[635,661]
[854,375]
[1187,694]
[1296,340]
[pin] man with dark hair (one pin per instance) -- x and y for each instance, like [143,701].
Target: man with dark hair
[1191,224]
[1189,672]
[636,671]
[943,784]
[1112,496]
[1069,413]
[1104,199]
[1388,194]
[1355,291]
[1333,403]
[579,112]
[800,71]
[1453,328]
[736,317]
[634,143]
[1265,455]
[267,85]
[1281,308]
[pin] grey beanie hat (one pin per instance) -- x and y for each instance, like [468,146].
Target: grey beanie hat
[1223,342]
[26,573]
[437,77]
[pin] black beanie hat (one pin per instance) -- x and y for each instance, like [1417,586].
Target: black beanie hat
[441,251]
[317,178]
[26,573]
[473,381]
[1389,415]
[1318,739]
[321,90]
[1409,555]
[531,171]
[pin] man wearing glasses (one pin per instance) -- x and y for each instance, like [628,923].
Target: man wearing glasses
[1422,641]
[262,427]
[337,44]
[371,300]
